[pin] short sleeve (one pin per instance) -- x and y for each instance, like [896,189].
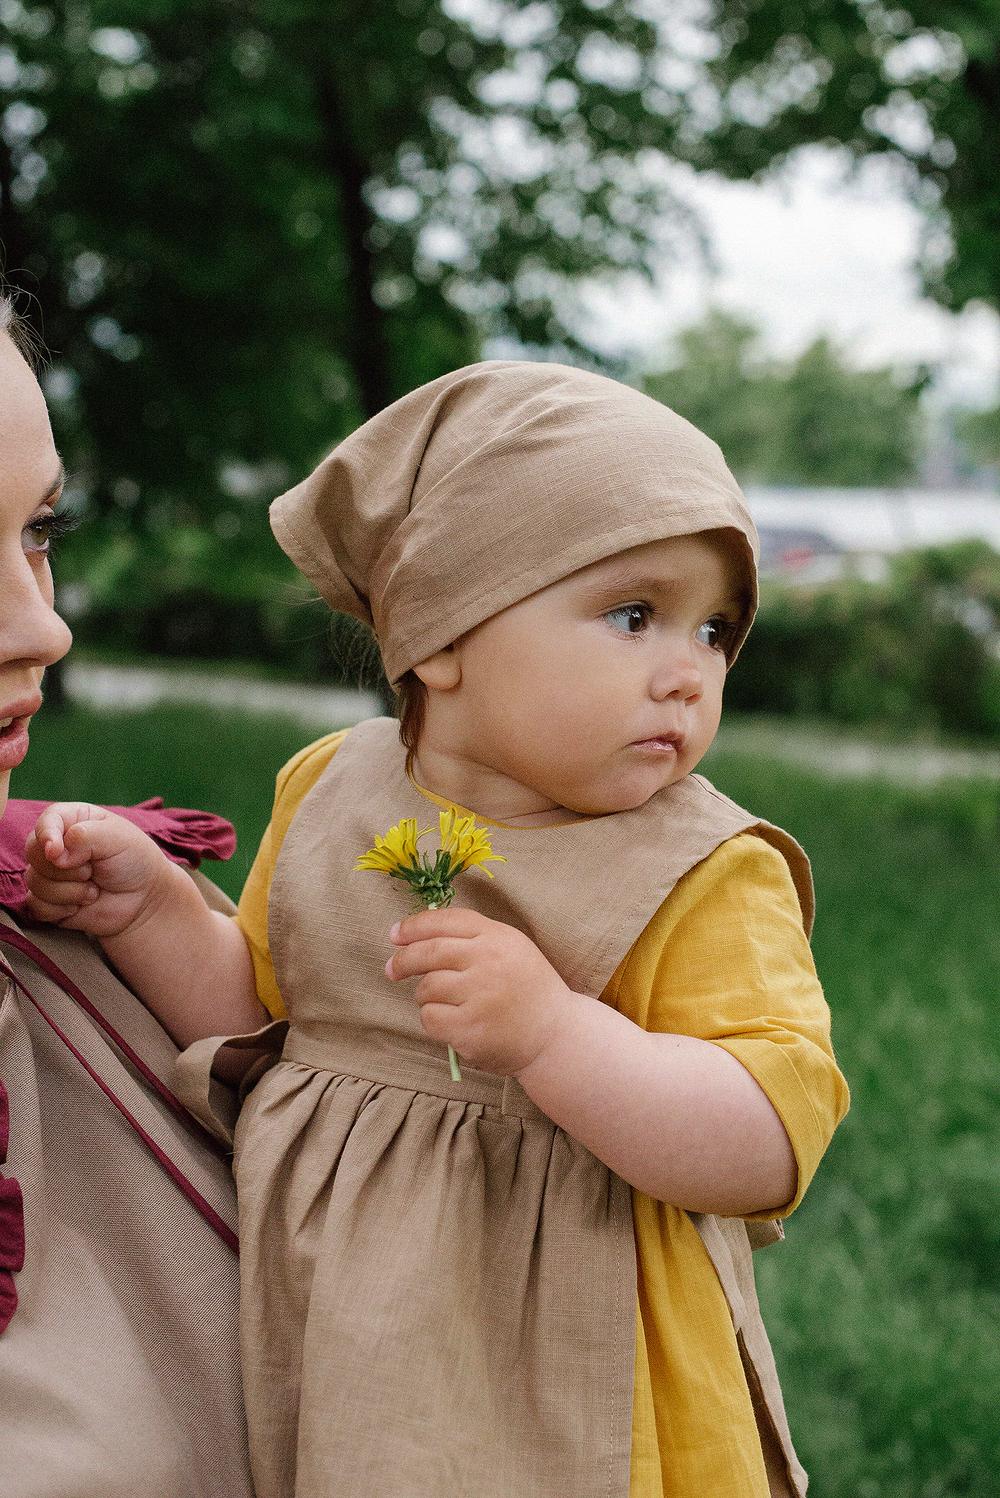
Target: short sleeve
[294,782]
[728,961]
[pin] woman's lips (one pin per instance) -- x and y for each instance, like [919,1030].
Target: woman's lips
[13,744]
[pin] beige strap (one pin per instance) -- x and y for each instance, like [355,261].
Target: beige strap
[245,1057]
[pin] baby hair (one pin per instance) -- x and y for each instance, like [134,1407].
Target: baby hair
[412,699]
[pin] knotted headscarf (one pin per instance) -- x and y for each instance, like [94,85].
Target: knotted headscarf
[492,482]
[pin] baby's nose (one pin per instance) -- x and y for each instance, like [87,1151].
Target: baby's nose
[678,675]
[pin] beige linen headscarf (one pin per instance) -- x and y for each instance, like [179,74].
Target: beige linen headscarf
[490,483]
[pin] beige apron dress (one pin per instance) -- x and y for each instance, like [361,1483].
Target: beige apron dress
[439,1284]
[119,1369]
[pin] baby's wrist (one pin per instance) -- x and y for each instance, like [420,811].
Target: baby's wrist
[562,1011]
[161,899]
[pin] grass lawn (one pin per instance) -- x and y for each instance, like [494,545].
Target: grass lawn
[884,1303]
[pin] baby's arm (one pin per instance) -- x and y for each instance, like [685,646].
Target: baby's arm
[680,1119]
[677,1117]
[724,1103]
[93,871]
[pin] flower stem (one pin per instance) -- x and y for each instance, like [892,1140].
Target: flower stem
[456,1071]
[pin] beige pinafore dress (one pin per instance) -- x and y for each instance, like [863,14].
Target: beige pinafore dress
[439,1284]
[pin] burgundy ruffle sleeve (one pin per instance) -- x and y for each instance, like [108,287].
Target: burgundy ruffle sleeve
[11,1224]
[185,836]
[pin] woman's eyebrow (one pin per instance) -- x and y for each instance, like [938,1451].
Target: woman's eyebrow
[55,486]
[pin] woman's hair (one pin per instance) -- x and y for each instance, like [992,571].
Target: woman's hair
[17,329]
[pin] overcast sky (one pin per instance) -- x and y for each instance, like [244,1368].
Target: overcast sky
[807,256]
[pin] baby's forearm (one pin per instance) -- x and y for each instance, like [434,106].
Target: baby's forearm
[679,1118]
[190,965]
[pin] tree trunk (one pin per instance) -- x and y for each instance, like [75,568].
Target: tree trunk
[367,348]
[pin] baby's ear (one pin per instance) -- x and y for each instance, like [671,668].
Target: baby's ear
[442,671]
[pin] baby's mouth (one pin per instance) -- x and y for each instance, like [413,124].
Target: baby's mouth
[665,743]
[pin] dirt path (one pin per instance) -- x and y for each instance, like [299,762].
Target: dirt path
[833,752]
[124,687]
[837,753]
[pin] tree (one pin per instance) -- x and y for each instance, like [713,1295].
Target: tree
[912,80]
[251,223]
[811,420]
[721,381]
[837,425]
[979,432]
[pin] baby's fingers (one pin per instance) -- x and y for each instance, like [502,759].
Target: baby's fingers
[45,842]
[58,900]
[56,862]
[60,835]
[440,952]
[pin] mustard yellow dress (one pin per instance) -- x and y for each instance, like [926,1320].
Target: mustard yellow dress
[725,958]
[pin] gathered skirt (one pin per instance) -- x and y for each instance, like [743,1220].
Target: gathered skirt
[438,1294]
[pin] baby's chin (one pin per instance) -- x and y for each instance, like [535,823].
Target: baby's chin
[624,794]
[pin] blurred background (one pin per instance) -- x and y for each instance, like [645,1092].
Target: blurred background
[242,226]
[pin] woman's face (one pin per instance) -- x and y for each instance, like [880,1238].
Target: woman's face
[32,635]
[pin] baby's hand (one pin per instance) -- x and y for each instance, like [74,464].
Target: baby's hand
[91,870]
[485,988]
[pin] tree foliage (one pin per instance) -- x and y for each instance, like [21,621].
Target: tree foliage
[979,432]
[913,80]
[810,420]
[251,223]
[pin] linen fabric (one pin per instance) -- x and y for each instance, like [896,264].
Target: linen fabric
[481,487]
[119,1369]
[437,1261]
[733,921]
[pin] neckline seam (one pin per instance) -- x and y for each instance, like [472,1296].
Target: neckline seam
[445,804]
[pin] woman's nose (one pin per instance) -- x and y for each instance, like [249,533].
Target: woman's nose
[31,632]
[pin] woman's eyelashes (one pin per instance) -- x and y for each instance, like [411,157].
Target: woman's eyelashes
[45,530]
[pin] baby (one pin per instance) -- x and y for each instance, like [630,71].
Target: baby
[535,1281]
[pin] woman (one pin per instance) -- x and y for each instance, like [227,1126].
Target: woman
[118,1282]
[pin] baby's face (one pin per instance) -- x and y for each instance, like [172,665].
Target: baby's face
[604,688]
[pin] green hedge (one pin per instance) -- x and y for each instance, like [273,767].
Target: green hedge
[919,653]
[185,593]
[915,654]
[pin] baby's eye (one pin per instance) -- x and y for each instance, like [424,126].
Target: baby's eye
[631,618]
[717,633]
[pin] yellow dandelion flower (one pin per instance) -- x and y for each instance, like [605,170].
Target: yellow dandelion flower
[463,846]
[396,851]
[466,845]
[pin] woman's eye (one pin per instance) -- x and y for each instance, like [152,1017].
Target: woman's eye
[631,618]
[716,633]
[40,534]
[37,534]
